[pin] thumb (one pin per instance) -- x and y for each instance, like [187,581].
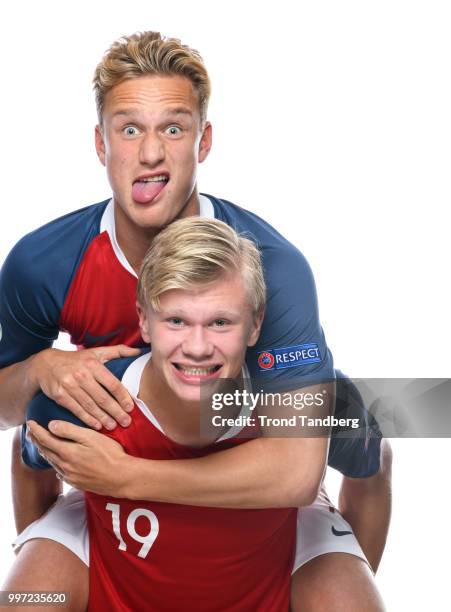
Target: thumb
[105,353]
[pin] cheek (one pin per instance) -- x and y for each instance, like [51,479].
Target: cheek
[234,347]
[165,343]
[186,153]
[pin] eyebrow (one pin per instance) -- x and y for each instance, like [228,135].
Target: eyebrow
[173,112]
[182,314]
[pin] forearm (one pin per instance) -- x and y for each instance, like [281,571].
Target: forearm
[366,504]
[18,385]
[262,473]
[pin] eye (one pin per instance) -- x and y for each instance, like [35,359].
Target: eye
[173,130]
[175,321]
[220,323]
[130,130]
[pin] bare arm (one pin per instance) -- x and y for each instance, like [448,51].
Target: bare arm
[366,504]
[263,473]
[16,391]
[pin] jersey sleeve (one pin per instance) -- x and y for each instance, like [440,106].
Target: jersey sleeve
[35,279]
[28,314]
[291,352]
[354,451]
[42,409]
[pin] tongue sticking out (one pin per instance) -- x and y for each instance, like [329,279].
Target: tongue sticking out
[144,192]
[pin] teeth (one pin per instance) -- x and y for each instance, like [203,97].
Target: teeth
[155,179]
[197,371]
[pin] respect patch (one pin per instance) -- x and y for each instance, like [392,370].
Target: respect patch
[288,357]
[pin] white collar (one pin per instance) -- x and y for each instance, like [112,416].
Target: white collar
[107,224]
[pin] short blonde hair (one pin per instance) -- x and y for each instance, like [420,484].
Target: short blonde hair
[147,53]
[195,252]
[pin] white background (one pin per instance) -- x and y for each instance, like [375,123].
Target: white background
[331,121]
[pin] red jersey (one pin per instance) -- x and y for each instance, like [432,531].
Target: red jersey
[164,557]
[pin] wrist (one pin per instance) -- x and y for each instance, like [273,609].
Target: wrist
[131,478]
[35,367]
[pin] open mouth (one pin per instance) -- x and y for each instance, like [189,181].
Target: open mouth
[197,372]
[146,188]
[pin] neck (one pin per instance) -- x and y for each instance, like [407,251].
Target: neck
[155,393]
[134,240]
[180,420]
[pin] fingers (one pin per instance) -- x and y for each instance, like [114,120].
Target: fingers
[69,431]
[76,403]
[105,353]
[46,444]
[78,381]
[84,404]
[54,450]
[99,397]
[117,400]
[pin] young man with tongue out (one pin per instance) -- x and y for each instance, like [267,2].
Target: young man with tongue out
[79,274]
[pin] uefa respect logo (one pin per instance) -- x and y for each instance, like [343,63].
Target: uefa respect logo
[288,357]
[266,360]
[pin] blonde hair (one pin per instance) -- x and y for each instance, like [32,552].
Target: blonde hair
[196,252]
[148,53]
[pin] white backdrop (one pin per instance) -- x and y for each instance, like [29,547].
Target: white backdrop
[332,121]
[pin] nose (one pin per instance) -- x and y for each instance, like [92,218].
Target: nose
[196,344]
[151,151]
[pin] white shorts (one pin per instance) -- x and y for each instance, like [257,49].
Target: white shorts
[65,522]
[320,529]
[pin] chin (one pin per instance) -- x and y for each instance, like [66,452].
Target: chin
[190,396]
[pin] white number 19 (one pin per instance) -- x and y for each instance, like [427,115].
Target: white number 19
[146,541]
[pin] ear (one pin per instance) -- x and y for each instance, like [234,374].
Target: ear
[100,144]
[143,323]
[205,142]
[256,327]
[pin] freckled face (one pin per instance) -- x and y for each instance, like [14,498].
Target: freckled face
[151,142]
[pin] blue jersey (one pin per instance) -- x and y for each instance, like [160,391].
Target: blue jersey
[66,276]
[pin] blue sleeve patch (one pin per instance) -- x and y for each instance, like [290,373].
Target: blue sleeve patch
[289,357]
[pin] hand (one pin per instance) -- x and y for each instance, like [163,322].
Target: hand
[78,381]
[83,458]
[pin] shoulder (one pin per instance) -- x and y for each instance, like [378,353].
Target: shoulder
[119,366]
[41,265]
[35,278]
[245,221]
[278,253]
[51,243]
[43,409]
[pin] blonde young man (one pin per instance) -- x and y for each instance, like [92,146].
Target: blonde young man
[79,274]
[201,301]
[201,298]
